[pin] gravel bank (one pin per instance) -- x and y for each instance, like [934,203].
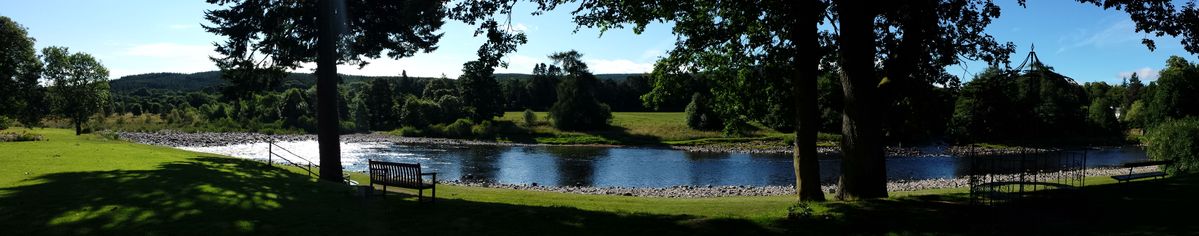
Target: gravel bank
[729,191]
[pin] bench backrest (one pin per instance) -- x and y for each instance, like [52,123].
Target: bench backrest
[1146,163]
[394,174]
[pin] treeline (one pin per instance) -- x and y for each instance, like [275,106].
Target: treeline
[425,106]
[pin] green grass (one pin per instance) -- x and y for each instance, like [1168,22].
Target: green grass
[642,128]
[70,185]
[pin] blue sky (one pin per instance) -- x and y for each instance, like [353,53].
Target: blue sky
[142,36]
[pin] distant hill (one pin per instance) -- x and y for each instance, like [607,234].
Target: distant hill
[616,77]
[211,80]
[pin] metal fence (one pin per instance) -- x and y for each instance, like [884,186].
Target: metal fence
[1002,176]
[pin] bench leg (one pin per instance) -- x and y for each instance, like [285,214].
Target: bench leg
[420,195]
[434,195]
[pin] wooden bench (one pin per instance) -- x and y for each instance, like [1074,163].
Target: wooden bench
[402,175]
[1133,165]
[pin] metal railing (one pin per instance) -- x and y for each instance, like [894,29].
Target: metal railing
[271,154]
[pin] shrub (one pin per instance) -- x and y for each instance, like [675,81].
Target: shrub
[700,115]
[409,131]
[530,118]
[460,128]
[484,129]
[6,122]
[1176,140]
[109,135]
[20,137]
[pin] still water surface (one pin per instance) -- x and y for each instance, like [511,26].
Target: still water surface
[656,167]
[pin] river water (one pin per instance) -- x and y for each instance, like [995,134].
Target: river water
[622,166]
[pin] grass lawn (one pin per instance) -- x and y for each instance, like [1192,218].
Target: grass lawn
[73,185]
[644,128]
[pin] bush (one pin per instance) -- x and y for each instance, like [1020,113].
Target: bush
[484,129]
[409,131]
[460,128]
[530,118]
[20,137]
[6,122]
[700,115]
[1176,140]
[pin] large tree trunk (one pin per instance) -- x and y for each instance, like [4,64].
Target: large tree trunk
[807,166]
[78,127]
[863,170]
[326,92]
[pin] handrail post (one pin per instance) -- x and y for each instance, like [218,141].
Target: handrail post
[269,152]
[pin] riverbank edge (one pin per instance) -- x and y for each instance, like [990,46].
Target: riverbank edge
[203,139]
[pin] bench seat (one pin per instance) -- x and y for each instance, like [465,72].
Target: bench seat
[1124,178]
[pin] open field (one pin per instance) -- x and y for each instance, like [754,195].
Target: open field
[89,185]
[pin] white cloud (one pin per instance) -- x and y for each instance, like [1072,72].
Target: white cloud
[518,63]
[652,54]
[1146,74]
[519,27]
[1117,33]
[602,66]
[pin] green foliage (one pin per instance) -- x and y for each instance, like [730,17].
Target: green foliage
[1176,92]
[294,108]
[1176,140]
[1038,105]
[23,136]
[700,115]
[6,122]
[577,107]
[21,95]
[529,118]
[409,131]
[380,101]
[439,88]
[1102,118]
[419,112]
[480,91]
[1134,116]
[543,86]
[79,83]
[460,128]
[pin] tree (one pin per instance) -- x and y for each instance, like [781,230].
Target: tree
[915,39]
[1177,92]
[79,84]
[20,91]
[543,85]
[275,35]
[577,107]
[480,91]
[293,107]
[1132,91]
[700,115]
[380,99]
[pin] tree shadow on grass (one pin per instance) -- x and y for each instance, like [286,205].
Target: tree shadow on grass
[221,196]
[1157,207]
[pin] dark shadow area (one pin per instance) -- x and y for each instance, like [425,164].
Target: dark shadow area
[1158,207]
[222,196]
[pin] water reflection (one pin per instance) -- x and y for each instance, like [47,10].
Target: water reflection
[653,167]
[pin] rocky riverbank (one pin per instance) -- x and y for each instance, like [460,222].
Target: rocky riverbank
[730,191]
